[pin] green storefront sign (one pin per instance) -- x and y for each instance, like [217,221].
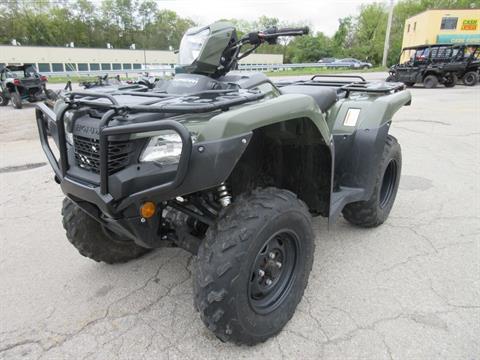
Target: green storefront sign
[458,39]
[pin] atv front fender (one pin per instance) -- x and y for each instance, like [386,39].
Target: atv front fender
[275,110]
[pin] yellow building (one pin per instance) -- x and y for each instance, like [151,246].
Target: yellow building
[442,26]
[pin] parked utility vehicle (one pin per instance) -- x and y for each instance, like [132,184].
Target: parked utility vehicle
[230,167]
[23,82]
[429,65]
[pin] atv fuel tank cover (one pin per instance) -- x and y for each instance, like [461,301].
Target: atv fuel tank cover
[352,117]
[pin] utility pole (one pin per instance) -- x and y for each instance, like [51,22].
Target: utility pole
[387,35]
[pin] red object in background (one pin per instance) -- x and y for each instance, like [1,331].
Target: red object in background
[43,78]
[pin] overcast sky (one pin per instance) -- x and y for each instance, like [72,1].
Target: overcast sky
[323,15]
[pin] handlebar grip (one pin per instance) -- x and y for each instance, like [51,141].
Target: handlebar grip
[301,31]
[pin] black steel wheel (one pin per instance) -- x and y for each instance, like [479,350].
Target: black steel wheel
[430,82]
[253,266]
[470,78]
[272,273]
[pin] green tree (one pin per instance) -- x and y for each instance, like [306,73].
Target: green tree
[369,35]
[343,37]
[310,48]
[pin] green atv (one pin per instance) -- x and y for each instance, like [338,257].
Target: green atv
[230,167]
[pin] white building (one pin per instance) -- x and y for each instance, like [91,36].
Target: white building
[65,59]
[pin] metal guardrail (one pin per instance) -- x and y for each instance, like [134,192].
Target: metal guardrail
[169,69]
[283,67]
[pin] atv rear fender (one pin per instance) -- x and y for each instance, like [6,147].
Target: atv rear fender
[375,111]
[359,144]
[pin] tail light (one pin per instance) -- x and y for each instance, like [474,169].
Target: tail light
[16,82]
[43,78]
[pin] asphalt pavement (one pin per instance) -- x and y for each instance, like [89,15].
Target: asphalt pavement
[409,289]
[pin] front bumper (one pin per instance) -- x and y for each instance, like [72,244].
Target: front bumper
[114,201]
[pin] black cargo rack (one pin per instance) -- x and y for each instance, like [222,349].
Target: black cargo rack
[201,102]
[159,102]
[345,87]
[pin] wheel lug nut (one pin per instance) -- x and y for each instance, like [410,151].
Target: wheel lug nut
[271,255]
[268,282]
[279,264]
[261,273]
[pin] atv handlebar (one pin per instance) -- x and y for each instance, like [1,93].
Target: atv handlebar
[274,32]
[270,35]
[256,38]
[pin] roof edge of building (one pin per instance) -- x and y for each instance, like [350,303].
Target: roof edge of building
[442,9]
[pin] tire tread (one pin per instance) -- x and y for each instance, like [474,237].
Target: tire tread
[211,298]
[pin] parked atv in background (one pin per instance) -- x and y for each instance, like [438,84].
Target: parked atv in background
[429,65]
[23,82]
[145,79]
[106,84]
[102,81]
[230,167]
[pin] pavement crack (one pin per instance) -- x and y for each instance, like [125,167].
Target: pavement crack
[282,353]
[317,321]
[387,347]
[20,343]
[416,233]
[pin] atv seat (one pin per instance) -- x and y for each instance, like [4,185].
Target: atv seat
[324,97]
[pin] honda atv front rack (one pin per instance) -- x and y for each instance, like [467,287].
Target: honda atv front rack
[201,102]
[110,108]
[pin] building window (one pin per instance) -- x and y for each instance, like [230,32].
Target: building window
[117,66]
[82,67]
[449,23]
[43,67]
[71,67]
[57,67]
[408,28]
[137,66]
[94,67]
[106,67]
[127,66]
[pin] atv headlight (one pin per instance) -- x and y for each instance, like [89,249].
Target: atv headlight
[164,149]
[192,44]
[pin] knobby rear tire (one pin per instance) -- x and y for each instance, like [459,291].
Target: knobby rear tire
[374,211]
